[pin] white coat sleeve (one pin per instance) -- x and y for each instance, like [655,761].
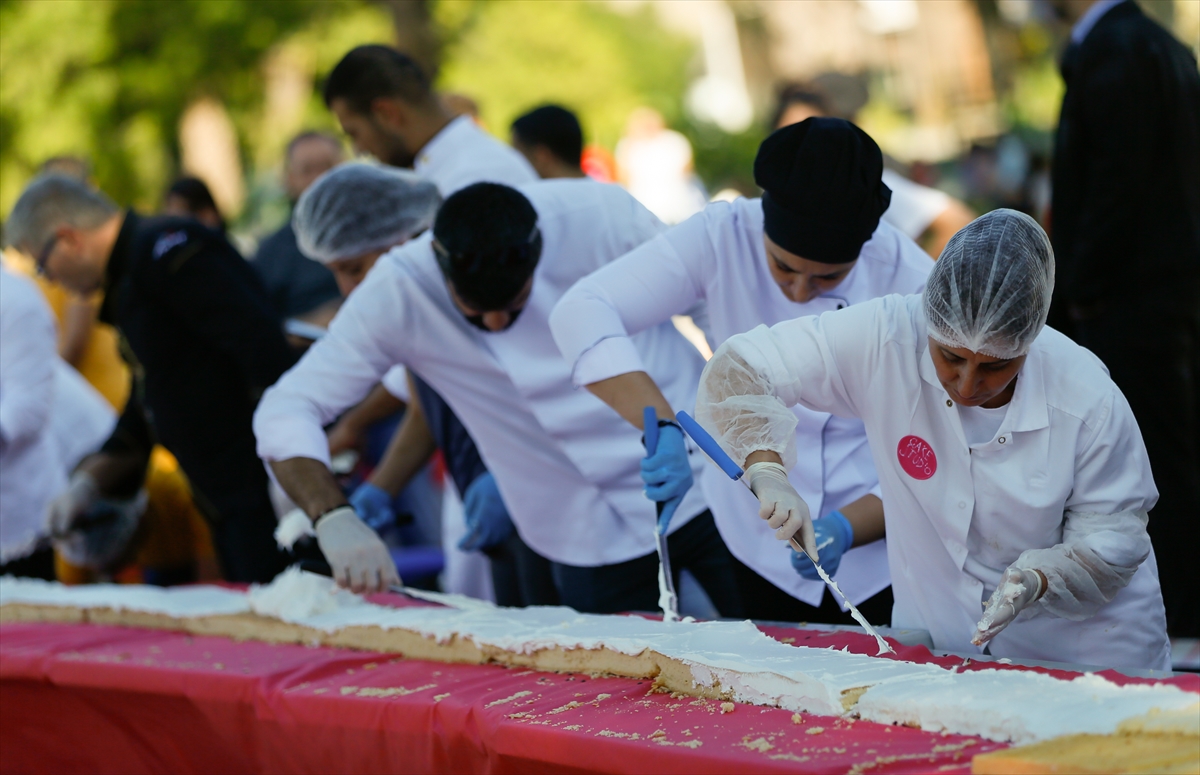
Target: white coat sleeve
[753,379]
[593,321]
[335,374]
[1104,528]
[28,350]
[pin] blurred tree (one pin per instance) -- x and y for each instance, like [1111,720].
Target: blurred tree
[514,55]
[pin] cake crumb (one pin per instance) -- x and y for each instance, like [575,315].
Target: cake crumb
[625,735]
[727,707]
[573,728]
[797,718]
[814,730]
[370,666]
[691,744]
[572,705]
[516,696]
[440,697]
[349,690]
[787,640]
[658,733]
[759,744]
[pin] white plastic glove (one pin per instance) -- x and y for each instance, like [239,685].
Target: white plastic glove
[780,505]
[1018,590]
[359,559]
[66,510]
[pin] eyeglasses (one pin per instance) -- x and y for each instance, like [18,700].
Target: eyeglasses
[44,255]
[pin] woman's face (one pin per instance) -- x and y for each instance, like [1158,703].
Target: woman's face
[799,278]
[973,379]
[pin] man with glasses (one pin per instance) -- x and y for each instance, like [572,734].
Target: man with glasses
[197,322]
[467,307]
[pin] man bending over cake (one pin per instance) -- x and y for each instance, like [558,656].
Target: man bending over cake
[1014,478]
[467,307]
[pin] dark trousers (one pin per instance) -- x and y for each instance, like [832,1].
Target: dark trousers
[633,585]
[767,602]
[520,576]
[1154,357]
[37,565]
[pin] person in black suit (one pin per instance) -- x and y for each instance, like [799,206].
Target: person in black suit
[1125,226]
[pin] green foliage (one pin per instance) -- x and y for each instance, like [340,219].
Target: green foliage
[512,56]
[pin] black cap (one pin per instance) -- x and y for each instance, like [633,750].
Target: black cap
[822,189]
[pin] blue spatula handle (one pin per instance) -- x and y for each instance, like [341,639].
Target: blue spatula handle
[710,446]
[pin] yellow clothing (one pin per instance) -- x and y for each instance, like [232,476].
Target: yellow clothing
[173,537]
[100,362]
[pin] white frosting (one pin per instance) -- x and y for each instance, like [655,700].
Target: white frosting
[666,598]
[999,705]
[172,601]
[1016,705]
[884,648]
[294,525]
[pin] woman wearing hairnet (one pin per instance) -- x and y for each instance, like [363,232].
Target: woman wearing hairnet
[1014,477]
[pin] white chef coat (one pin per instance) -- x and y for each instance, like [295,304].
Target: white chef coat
[566,465]
[959,514]
[30,476]
[718,257]
[462,154]
[458,156]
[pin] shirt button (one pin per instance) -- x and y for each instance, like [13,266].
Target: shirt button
[962,504]
[1001,439]
[949,402]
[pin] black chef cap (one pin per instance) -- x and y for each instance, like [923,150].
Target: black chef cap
[822,190]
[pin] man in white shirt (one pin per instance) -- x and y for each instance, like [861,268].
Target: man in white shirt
[467,307]
[388,108]
[813,243]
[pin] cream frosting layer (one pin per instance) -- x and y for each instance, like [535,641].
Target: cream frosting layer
[1005,705]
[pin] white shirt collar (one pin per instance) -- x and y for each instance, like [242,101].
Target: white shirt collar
[443,144]
[1089,19]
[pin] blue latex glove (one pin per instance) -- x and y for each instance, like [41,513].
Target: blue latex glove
[667,473]
[488,523]
[373,505]
[834,536]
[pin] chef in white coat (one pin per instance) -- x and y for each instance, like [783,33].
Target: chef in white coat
[388,108]
[813,243]
[1014,476]
[467,308]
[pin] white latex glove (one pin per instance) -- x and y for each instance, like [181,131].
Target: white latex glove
[780,505]
[1017,590]
[65,510]
[360,560]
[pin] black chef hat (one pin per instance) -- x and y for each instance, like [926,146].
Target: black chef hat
[822,191]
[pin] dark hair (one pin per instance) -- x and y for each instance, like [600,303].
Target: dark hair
[487,243]
[370,72]
[195,194]
[798,94]
[554,127]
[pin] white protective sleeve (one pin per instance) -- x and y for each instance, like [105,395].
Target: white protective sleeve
[753,379]
[1104,527]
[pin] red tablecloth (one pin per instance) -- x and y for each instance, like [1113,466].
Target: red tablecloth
[86,698]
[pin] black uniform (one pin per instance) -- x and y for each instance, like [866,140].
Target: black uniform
[1126,233]
[204,342]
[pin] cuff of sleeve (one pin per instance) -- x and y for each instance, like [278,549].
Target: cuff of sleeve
[395,381]
[608,358]
[293,440]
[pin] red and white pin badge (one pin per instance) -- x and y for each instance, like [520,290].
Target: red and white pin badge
[916,457]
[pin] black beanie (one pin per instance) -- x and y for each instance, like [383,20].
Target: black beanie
[822,190]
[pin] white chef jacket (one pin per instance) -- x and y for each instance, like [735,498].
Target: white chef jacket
[30,476]
[567,466]
[458,156]
[718,257]
[958,515]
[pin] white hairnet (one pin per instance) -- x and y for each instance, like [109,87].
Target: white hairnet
[989,291]
[356,208]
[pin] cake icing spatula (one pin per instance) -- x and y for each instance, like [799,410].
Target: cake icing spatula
[667,599]
[711,448]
